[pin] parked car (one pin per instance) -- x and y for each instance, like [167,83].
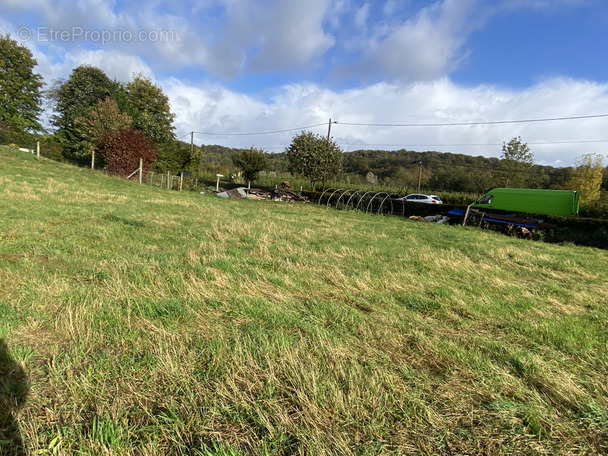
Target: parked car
[420,198]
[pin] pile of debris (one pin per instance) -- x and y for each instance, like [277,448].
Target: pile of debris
[511,226]
[275,194]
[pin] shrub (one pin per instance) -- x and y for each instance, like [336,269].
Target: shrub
[122,149]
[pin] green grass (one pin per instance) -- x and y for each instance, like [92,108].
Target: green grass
[152,322]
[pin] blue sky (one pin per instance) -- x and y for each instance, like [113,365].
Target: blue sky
[251,66]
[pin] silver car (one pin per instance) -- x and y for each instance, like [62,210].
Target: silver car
[420,198]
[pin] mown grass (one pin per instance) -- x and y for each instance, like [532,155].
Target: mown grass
[154,322]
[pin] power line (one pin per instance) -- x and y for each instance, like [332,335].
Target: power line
[455,124]
[460,124]
[537,143]
[406,145]
[259,132]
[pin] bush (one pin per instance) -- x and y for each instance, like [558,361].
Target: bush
[122,150]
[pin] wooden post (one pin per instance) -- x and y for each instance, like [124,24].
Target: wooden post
[38,150]
[466,216]
[141,169]
[168,187]
[181,181]
[93,159]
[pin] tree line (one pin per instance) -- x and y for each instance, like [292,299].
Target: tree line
[113,125]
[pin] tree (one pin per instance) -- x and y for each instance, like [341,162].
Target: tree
[20,87]
[150,110]
[314,157]
[250,162]
[516,163]
[195,162]
[122,150]
[74,98]
[105,117]
[371,178]
[173,156]
[587,177]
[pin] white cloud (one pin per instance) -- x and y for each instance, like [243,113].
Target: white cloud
[361,15]
[115,64]
[216,109]
[423,47]
[276,35]
[389,7]
[165,38]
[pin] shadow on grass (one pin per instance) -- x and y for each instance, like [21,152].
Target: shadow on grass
[13,391]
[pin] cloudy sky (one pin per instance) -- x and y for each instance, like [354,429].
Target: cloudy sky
[416,74]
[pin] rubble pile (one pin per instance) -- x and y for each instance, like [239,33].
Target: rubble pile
[275,194]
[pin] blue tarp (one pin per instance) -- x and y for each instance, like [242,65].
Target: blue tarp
[460,212]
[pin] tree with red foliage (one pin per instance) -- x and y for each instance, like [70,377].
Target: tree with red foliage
[103,118]
[123,148]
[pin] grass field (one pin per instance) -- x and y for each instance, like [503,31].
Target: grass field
[140,321]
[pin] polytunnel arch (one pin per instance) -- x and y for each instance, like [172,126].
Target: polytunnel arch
[372,200]
[332,195]
[351,197]
[345,198]
[389,197]
[322,194]
[361,199]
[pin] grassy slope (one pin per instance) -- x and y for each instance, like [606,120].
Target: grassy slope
[156,322]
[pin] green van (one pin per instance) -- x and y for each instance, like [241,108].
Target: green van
[535,201]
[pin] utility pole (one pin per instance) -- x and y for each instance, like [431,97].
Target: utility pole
[419,162]
[327,152]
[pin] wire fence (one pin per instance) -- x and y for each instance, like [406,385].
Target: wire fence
[172,182]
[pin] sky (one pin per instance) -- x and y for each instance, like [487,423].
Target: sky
[460,76]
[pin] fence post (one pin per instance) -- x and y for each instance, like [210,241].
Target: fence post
[169,185]
[93,159]
[181,181]
[38,150]
[141,169]
[466,215]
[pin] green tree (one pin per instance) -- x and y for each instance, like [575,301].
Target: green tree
[405,177]
[173,156]
[20,87]
[250,162]
[371,178]
[314,157]
[516,164]
[587,177]
[195,162]
[103,118]
[150,109]
[74,98]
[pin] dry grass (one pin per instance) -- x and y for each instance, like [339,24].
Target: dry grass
[153,322]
